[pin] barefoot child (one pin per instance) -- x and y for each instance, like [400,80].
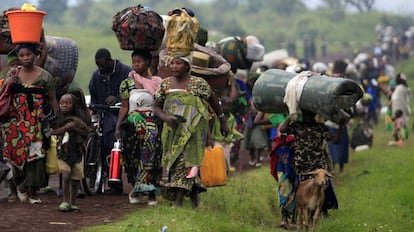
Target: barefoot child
[71,130]
[399,133]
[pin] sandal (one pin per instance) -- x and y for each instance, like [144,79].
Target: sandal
[34,201]
[292,227]
[11,198]
[22,196]
[74,208]
[133,199]
[283,225]
[64,207]
[152,202]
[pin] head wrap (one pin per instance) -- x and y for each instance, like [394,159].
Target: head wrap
[187,59]
[11,57]
[401,79]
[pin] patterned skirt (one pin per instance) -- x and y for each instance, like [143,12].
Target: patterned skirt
[142,152]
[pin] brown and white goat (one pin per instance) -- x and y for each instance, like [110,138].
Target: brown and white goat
[310,196]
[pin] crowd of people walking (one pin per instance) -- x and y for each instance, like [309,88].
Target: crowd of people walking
[165,124]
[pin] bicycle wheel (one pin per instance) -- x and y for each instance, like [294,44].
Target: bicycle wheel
[92,181]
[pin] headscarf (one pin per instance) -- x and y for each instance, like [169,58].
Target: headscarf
[12,57]
[187,59]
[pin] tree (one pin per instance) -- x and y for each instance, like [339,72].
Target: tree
[335,4]
[81,11]
[54,10]
[362,5]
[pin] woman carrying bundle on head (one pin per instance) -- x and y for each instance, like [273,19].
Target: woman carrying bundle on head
[182,102]
[33,103]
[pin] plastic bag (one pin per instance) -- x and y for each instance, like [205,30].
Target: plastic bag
[52,166]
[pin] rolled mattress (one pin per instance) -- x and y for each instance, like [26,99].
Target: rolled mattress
[326,96]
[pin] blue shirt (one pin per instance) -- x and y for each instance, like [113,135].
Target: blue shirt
[100,86]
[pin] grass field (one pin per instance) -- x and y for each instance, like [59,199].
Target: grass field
[376,193]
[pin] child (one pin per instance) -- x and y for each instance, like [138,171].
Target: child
[13,62]
[234,135]
[281,168]
[399,133]
[71,130]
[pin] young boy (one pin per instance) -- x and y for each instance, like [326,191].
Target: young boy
[72,131]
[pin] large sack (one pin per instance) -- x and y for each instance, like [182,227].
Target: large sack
[138,28]
[326,96]
[234,50]
[255,50]
[201,37]
[61,61]
[182,28]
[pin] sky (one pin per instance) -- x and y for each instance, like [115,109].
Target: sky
[404,7]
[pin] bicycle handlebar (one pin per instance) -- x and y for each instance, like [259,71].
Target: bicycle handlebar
[103,107]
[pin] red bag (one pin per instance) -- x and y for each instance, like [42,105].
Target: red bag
[138,28]
[5,99]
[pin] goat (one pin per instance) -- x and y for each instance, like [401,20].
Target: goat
[310,196]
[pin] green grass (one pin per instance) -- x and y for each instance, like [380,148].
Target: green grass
[374,194]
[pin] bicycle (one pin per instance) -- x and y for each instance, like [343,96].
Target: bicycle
[96,163]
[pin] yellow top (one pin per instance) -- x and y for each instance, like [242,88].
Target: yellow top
[28,7]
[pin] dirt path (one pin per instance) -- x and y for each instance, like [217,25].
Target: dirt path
[95,210]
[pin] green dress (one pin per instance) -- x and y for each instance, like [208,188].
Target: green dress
[183,146]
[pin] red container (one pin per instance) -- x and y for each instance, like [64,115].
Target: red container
[115,163]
